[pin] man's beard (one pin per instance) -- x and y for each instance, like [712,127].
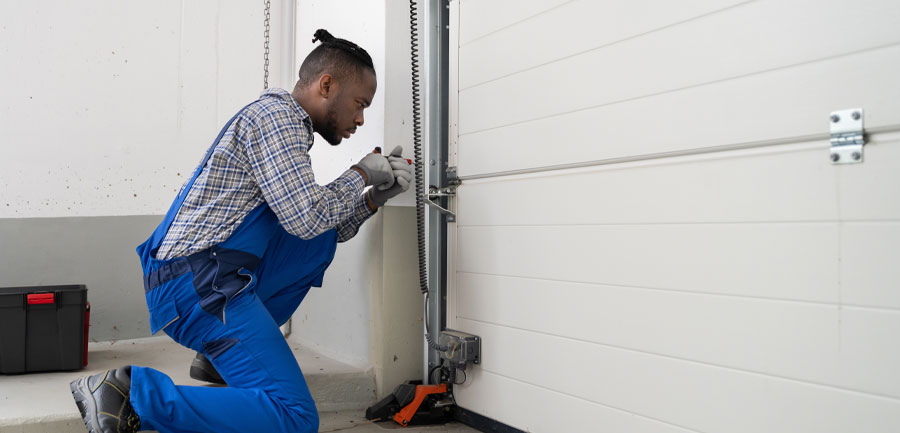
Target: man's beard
[330,134]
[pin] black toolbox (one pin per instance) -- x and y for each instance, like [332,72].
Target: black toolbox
[43,328]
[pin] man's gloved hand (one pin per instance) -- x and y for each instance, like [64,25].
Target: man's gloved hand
[403,175]
[376,169]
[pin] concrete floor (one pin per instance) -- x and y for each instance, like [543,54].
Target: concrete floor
[351,421]
[42,402]
[356,422]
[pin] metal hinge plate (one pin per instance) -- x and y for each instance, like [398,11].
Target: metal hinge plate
[847,136]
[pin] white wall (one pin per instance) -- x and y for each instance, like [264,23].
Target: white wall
[337,319]
[388,120]
[108,106]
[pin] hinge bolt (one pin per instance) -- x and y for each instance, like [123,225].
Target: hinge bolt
[835,157]
[856,115]
[856,156]
[835,118]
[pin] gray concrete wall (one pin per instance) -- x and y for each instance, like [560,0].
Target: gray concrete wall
[96,251]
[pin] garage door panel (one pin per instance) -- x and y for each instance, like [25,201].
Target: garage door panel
[557,412]
[481,17]
[869,340]
[588,25]
[757,37]
[870,264]
[798,185]
[784,104]
[739,259]
[649,228]
[871,190]
[653,386]
[810,342]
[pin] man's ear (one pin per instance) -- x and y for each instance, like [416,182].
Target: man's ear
[326,85]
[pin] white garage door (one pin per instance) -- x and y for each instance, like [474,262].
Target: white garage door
[651,236]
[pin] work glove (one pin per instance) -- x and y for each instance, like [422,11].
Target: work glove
[403,176]
[377,170]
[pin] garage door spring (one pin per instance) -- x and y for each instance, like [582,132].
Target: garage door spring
[419,165]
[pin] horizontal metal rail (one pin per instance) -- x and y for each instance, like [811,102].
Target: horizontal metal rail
[824,137]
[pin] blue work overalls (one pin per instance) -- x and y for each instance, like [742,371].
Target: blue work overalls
[228,302]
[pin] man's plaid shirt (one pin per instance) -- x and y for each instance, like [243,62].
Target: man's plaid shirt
[263,158]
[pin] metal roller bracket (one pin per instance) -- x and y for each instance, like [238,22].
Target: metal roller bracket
[435,192]
[448,191]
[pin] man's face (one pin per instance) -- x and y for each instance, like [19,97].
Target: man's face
[345,109]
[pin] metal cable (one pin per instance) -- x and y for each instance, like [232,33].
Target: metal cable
[428,338]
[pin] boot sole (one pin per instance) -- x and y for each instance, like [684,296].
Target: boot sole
[84,400]
[202,375]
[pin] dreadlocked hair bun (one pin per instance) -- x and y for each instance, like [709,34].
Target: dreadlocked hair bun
[322,35]
[328,40]
[335,56]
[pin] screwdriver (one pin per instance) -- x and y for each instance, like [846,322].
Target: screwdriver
[378,150]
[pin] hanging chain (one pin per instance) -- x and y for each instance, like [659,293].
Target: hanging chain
[266,48]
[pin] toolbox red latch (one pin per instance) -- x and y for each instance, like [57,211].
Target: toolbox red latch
[40,298]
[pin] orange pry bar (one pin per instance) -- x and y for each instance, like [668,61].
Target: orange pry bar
[405,415]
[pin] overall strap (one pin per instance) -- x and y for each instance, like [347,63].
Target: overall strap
[159,234]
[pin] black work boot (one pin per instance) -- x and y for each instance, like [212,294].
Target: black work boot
[104,401]
[202,369]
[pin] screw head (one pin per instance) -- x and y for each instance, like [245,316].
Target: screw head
[433,162]
[835,118]
[856,156]
[856,115]
[835,157]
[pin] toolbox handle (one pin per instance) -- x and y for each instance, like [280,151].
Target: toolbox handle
[87,328]
[40,298]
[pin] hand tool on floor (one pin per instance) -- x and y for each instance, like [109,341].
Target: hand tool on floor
[414,403]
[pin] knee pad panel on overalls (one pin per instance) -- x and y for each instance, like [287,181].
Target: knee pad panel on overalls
[214,348]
